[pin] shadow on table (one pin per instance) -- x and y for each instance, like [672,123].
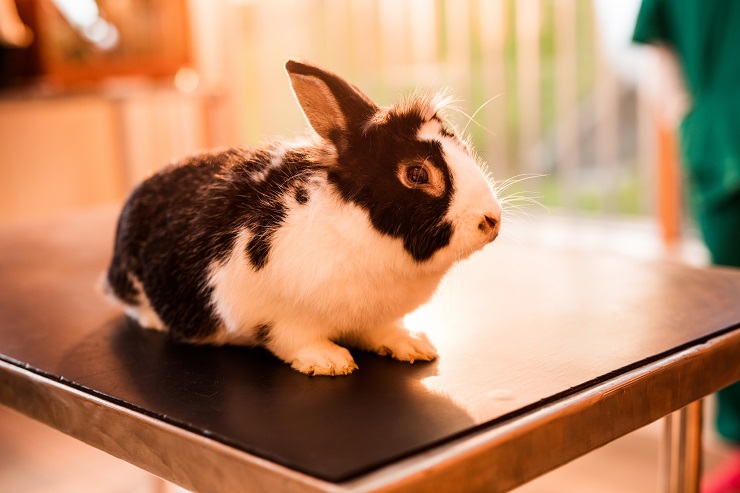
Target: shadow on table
[332,428]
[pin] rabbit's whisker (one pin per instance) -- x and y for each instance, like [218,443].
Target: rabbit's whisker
[509,182]
[472,118]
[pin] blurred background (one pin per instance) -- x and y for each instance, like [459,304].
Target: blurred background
[96,95]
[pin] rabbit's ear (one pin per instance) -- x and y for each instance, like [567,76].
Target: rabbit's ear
[333,106]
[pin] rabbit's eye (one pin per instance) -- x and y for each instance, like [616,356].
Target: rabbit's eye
[417,175]
[421,176]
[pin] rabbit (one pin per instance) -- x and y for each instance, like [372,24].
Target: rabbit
[305,245]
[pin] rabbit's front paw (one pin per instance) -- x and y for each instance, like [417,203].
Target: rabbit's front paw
[405,346]
[324,359]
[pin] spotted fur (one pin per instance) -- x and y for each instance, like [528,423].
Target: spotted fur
[300,245]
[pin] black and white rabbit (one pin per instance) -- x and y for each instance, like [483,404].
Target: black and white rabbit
[299,246]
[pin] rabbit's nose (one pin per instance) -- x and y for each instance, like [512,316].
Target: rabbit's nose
[489,222]
[490,225]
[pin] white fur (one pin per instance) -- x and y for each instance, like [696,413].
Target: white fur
[143,311]
[276,158]
[327,292]
[330,276]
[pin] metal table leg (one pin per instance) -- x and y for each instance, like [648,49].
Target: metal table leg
[682,450]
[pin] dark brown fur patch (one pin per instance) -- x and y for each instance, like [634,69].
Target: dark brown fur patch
[262,333]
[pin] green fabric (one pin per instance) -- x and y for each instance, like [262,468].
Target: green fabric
[720,226]
[705,35]
[728,410]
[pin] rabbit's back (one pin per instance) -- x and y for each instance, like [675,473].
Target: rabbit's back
[185,219]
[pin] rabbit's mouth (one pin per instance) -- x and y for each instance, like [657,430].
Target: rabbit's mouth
[467,241]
